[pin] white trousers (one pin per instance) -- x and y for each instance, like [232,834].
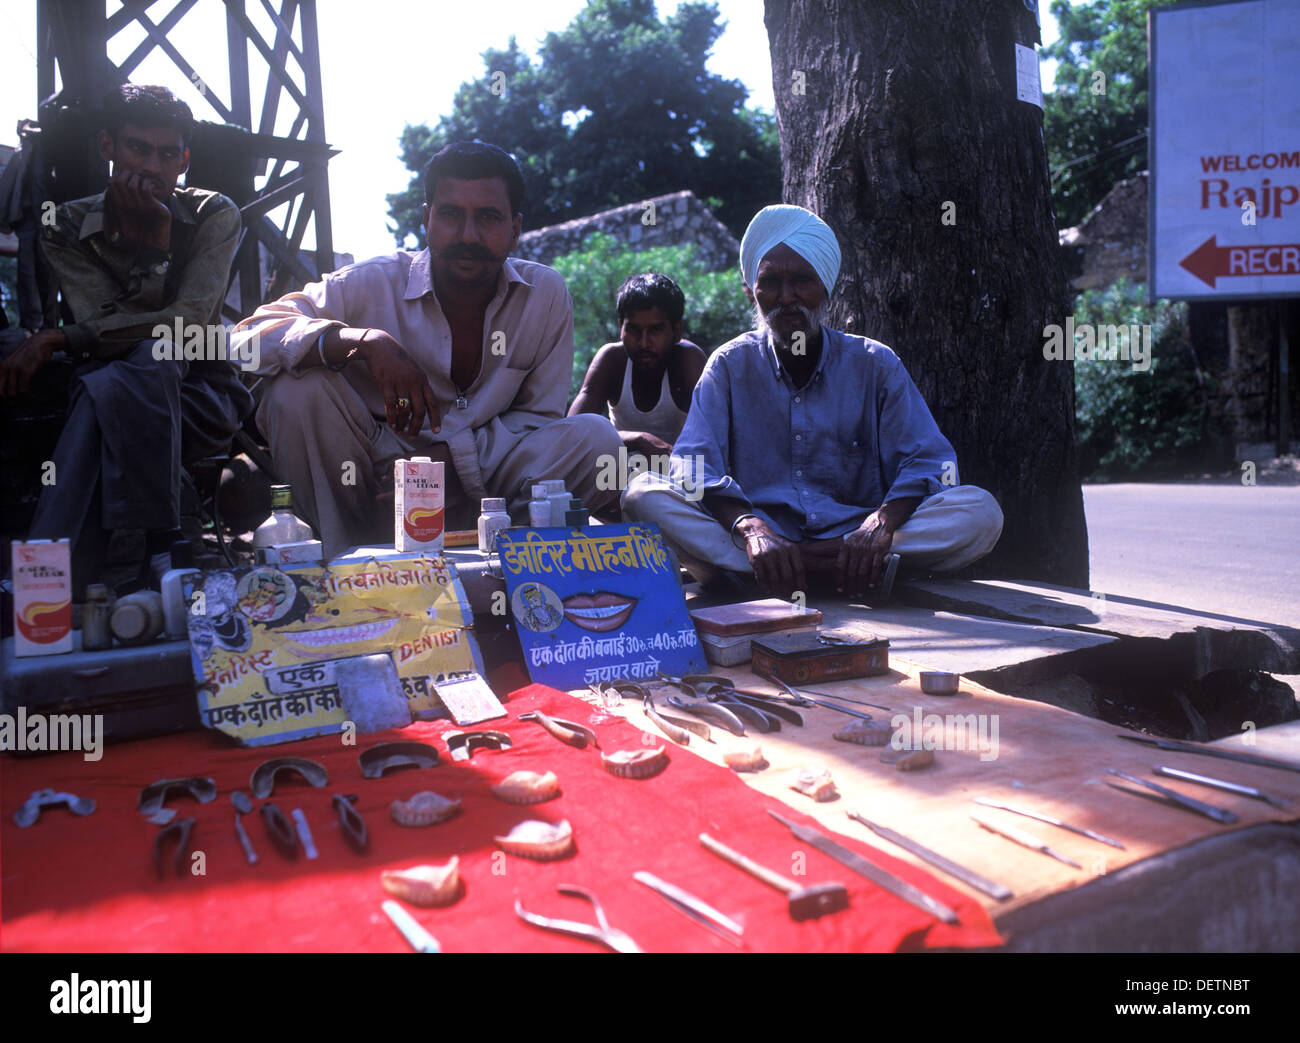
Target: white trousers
[947,531]
[329,448]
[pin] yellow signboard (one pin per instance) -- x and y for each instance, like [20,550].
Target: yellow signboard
[283,654]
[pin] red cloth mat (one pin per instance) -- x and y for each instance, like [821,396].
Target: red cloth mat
[88,884]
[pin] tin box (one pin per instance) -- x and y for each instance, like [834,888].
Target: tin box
[807,657]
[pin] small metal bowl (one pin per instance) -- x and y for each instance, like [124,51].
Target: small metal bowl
[939,682]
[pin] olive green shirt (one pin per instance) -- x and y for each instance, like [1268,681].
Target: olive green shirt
[119,291]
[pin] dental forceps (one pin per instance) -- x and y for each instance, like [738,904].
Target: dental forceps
[611,937]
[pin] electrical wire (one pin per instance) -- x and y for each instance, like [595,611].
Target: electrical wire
[1102,156]
[1119,148]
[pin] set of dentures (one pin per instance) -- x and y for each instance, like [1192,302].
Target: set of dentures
[535,839]
[424,885]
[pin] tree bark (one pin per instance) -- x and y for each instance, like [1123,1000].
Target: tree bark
[908,117]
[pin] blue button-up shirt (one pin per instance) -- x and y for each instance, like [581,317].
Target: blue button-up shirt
[815,460]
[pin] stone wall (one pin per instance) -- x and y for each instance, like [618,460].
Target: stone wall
[670,220]
[1111,243]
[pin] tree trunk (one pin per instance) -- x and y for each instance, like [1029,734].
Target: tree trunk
[909,141]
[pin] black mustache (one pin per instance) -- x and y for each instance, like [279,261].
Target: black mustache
[467,252]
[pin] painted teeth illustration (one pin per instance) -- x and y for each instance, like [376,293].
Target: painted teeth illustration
[600,612]
[345,635]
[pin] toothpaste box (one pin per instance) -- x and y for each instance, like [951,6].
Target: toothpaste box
[42,579]
[418,504]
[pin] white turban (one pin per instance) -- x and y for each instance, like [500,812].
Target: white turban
[801,230]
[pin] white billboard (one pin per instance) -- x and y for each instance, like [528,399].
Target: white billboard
[1224,206]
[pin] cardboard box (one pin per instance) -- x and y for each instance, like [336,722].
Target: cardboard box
[418,505]
[753,617]
[42,578]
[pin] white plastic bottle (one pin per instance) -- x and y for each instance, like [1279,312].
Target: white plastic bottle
[283,526]
[494,518]
[175,610]
[539,507]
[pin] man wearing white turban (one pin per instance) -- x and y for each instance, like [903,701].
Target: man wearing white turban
[809,452]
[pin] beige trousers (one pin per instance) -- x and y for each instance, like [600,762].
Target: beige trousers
[331,450]
[947,531]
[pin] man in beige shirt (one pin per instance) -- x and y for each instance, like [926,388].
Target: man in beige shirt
[457,352]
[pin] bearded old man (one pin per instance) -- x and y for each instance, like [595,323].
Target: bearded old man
[814,454]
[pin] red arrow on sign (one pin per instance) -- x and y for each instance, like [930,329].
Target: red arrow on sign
[1209,261]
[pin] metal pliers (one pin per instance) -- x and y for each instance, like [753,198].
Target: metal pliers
[611,937]
[679,729]
[612,693]
[716,688]
[762,712]
[711,711]
[797,698]
[574,734]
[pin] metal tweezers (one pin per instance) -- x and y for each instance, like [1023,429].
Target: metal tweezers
[610,937]
[1164,795]
[798,698]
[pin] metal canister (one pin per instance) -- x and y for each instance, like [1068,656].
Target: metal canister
[803,658]
[96,636]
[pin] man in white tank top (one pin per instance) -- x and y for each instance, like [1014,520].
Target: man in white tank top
[645,380]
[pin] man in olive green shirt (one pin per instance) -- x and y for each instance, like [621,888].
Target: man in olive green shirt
[140,258]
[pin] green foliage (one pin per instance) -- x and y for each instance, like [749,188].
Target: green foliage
[618,107]
[1096,128]
[1139,423]
[716,307]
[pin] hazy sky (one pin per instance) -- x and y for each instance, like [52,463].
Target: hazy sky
[384,63]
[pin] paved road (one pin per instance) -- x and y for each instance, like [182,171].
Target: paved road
[1220,548]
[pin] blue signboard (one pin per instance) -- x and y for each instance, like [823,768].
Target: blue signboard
[597,604]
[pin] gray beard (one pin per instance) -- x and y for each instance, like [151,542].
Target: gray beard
[815,317]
